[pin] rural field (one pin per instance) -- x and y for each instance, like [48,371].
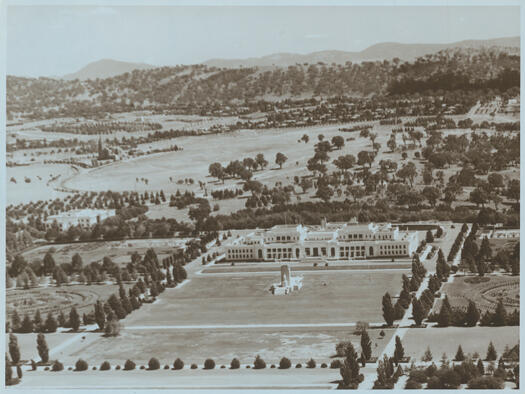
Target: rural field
[225,300]
[446,340]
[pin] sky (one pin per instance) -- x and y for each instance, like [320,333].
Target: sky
[56,40]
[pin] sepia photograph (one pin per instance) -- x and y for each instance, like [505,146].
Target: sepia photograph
[282,196]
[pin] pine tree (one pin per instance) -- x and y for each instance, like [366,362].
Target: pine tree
[417,311]
[15,321]
[37,321]
[74,319]
[62,322]
[459,354]
[388,310]
[500,316]
[491,352]
[51,323]
[350,369]
[480,367]
[43,350]
[427,356]
[399,351]
[366,345]
[27,325]
[14,350]
[445,313]
[100,316]
[8,371]
[472,315]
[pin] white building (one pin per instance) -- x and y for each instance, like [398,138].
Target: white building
[329,241]
[85,218]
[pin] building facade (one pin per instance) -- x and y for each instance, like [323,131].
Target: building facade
[84,218]
[336,241]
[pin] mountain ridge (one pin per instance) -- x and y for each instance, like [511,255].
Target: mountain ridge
[105,68]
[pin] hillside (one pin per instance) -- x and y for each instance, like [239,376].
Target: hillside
[105,68]
[194,87]
[381,51]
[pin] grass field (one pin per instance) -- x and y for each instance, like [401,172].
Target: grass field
[447,340]
[324,298]
[299,345]
[485,294]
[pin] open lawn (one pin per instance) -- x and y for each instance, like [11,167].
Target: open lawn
[324,298]
[485,292]
[297,344]
[447,340]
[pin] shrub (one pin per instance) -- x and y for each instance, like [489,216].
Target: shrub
[209,364]
[81,365]
[46,369]
[412,385]
[69,368]
[248,367]
[178,364]
[153,364]
[485,382]
[142,367]
[57,366]
[285,363]
[382,334]
[272,366]
[323,365]
[166,366]
[94,368]
[235,364]
[335,364]
[298,365]
[223,366]
[310,363]
[418,376]
[129,365]
[105,366]
[193,366]
[117,367]
[259,363]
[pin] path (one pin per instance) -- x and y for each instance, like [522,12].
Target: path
[245,326]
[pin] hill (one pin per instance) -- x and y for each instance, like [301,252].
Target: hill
[381,51]
[200,87]
[105,68]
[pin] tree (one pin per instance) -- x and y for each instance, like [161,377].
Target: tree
[445,313]
[51,324]
[366,346]
[259,363]
[280,159]
[14,350]
[408,171]
[391,143]
[37,321]
[417,311]
[472,315]
[260,160]
[305,184]
[76,263]
[399,351]
[500,316]
[74,319]
[429,237]
[8,371]
[491,353]
[431,194]
[350,369]
[100,316]
[15,321]
[338,141]
[388,310]
[42,348]
[216,170]
[324,192]
[427,356]
[27,325]
[459,354]
[49,263]
[285,363]
[513,190]
[365,157]
[345,162]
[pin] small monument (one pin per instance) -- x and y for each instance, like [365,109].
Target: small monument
[288,283]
